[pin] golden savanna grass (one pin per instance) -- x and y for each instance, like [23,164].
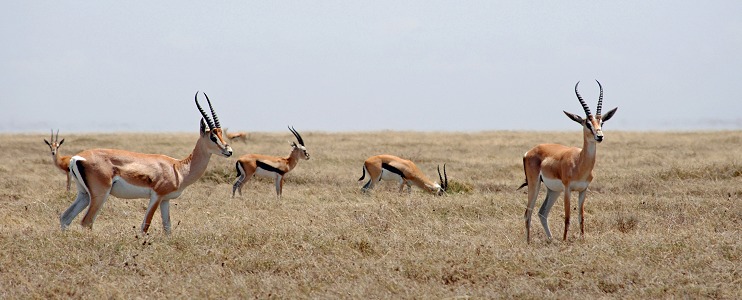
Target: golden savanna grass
[663,220]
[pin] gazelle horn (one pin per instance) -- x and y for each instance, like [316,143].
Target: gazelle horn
[213,113]
[297,135]
[444,182]
[584,105]
[203,113]
[600,100]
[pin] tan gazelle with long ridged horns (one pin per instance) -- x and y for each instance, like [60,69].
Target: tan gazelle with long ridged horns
[564,169]
[130,175]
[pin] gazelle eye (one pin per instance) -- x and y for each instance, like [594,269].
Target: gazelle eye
[213,138]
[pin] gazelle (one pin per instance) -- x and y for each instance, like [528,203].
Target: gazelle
[60,161]
[269,166]
[130,175]
[564,169]
[390,167]
[237,136]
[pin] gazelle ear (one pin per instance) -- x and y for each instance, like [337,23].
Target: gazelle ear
[293,144]
[60,142]
[47,142]
[574,117]
[609,114]
[203,126]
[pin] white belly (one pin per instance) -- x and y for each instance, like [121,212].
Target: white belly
[557,185]
[265,173]
[125,190]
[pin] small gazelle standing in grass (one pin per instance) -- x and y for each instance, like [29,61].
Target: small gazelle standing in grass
[131,175]
[274,167]
[564,169]
[393,168]
[62,162]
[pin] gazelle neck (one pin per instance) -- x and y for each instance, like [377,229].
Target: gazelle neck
[294,158]
[588,153]
[57,160]
[191,168]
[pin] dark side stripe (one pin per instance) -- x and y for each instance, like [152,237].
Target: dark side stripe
[268,167]
[392,169]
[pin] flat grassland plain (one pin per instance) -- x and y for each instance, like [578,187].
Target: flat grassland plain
[663,220]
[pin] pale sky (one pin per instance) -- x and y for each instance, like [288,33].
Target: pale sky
[105,66]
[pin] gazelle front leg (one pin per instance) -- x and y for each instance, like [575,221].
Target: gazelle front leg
[581,215]
[567,193]
[165,213]
[68,181]
[154,202]
[279,185]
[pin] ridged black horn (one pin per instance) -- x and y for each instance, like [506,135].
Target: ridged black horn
[213,113]
[600,100]
[443,179]
[56,139]
[203,113]
[297,135]
[584,105]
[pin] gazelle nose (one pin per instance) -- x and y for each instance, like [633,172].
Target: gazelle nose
[599,138]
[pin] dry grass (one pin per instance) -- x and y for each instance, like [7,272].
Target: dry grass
[663,220]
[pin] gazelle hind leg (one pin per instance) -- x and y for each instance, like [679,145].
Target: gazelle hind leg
[81,202]
[96,203]
[533,189]
[241,179]
[543,212]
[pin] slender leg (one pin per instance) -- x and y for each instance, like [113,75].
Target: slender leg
[543,212]
[581,216]
[279,185]
[81,202]
[165,212]
[68,181]
[533,189]
[154,202]
[97,200]
[567,193]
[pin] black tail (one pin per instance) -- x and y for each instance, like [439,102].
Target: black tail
[364,174]
[524,171]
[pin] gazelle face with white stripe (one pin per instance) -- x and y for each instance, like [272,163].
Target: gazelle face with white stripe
[216,143]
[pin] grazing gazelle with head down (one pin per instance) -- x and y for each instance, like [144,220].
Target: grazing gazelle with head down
[269,166]
[564,169]
[390,167]
[130,175]
[62,162]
